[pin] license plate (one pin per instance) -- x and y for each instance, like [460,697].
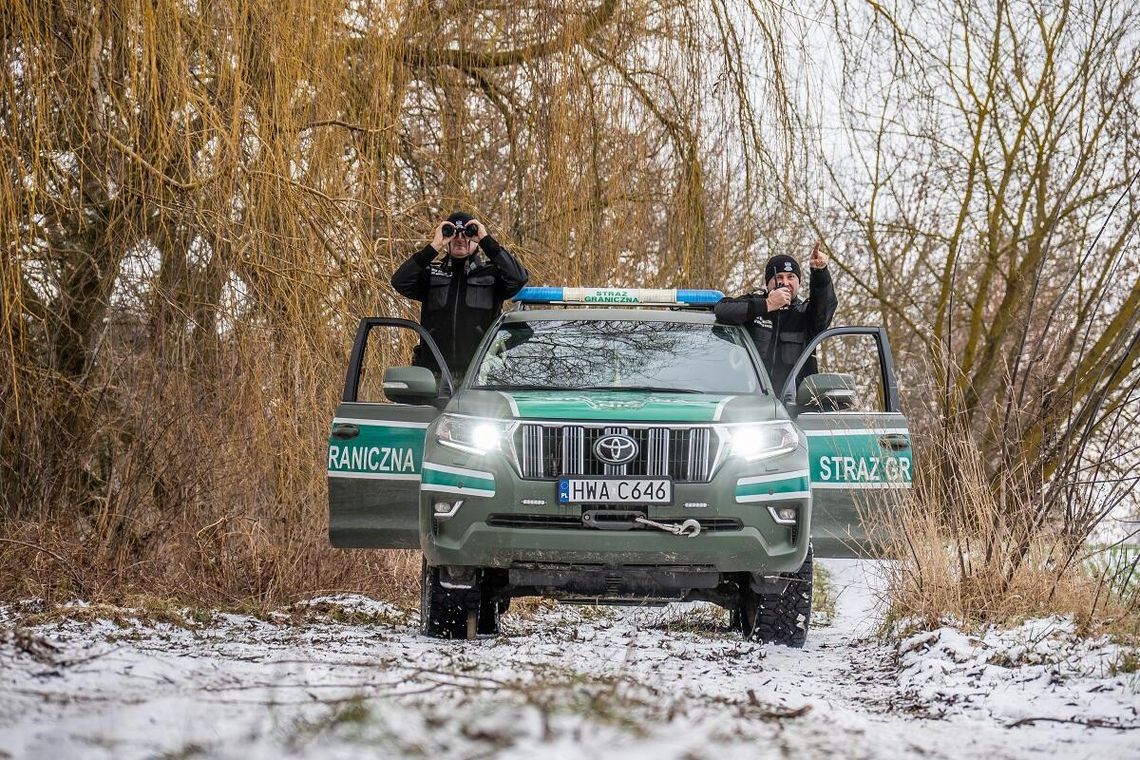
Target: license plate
[615,491]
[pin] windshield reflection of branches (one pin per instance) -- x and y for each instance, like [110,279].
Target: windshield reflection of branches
[619,354]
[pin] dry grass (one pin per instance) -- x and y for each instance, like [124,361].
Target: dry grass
[205,489]
[984,557]
[45,562]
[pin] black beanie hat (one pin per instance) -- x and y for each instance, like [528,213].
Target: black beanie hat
[781,263]
[460,217]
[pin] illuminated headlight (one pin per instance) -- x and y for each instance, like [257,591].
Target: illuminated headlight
[472,435]
[755,442]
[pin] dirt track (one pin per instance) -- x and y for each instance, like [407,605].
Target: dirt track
[568,681]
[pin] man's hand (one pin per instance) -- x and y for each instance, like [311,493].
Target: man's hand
[818,257]
[482,230]
[778,299]
[439,242]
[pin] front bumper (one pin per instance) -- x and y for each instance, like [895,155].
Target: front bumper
[507,522]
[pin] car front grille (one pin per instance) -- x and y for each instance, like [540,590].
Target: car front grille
[551,450]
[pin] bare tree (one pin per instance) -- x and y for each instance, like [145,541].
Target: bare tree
[983,203]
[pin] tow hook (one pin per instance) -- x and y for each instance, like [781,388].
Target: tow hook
[688,528]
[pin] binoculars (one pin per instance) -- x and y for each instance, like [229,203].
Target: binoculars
[470,229]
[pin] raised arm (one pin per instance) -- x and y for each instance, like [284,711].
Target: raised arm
[822,303]
[512,274]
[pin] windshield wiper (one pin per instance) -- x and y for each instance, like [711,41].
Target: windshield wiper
[633,388]
[638,388]
[519,387]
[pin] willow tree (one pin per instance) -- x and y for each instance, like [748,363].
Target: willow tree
[200,198]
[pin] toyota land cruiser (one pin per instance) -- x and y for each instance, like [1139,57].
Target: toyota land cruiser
[615,446]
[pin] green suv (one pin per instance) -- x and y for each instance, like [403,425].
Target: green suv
[614,446]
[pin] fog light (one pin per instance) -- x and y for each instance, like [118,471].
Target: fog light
[445,509]
[784,515]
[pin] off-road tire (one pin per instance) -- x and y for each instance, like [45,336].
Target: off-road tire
[489,611]
[442,612]
[779,618]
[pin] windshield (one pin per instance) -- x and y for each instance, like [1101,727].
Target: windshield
[677,357]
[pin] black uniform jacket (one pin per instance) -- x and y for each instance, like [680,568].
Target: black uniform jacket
[459,298]
[781,336]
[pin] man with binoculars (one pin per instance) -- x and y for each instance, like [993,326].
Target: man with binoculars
[461,294]
[780,321]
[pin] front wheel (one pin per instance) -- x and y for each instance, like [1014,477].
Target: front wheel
[489,610]
[443,615]
[779,618]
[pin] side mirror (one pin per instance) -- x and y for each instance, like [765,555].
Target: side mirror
[826,392]
[410,385]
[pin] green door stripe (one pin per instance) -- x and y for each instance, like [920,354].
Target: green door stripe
[372,475]
[457,480]
[784,496]
[797,474]
[459,471]
[778,486]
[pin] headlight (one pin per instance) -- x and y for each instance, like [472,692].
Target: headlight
[472,435]
[754,442]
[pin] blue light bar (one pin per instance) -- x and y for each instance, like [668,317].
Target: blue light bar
[617,296]
[699,297]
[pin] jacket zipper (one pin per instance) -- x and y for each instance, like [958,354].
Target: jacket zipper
[455,313]
[775,347]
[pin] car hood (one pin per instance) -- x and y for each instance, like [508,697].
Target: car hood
[617,406]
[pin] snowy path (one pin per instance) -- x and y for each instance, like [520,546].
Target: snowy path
[567,682]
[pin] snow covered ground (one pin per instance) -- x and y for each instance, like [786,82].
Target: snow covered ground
[352,678]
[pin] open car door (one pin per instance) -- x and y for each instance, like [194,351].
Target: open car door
[375,450]
[858,440]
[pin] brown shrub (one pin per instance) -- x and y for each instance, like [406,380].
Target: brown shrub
[982,553]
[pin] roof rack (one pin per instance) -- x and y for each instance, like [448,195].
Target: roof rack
[637,297]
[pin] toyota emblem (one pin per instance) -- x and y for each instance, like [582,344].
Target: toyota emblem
[615,448]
